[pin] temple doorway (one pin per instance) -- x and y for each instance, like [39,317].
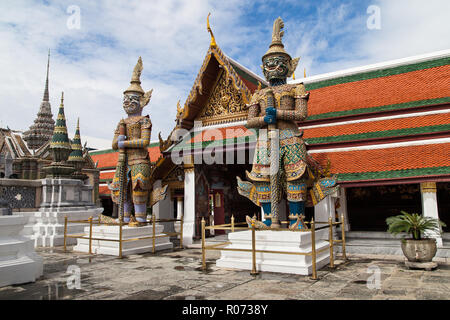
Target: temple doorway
[443,200]
[225,201]
[368,207]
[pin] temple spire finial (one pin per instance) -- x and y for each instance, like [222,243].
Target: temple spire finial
[213,43]
[46,96]
[41,131]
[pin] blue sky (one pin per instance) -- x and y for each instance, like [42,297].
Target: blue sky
[93,64]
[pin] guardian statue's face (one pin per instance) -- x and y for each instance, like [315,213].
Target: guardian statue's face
[275,67]
[132,103]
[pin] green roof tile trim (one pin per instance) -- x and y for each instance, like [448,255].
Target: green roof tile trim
[380,134]
[246,75]
[104,180]
[212,144]
[390,107]
[405,173]
[107,168]
[95,153]
[379,73]
[311,141]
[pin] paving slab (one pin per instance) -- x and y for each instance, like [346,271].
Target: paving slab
[177,275]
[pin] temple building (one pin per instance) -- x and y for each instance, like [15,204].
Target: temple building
[24,155]
[383,129]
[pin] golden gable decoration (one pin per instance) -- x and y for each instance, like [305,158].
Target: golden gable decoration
[225,104]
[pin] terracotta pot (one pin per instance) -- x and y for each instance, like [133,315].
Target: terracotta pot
[419,250]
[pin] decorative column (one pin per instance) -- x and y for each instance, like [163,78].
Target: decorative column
[5,210]
[189,203]
[430,207]
[180,204]
[8,165]
[342,210]
[156,206]
[163,209]
[325,209]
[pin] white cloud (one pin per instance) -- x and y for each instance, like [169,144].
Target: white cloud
[337,37]
[408,27]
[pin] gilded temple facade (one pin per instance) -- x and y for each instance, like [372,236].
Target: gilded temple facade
[383,129]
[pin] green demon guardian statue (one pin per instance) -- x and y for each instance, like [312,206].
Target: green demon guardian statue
[131,185]
[281,163]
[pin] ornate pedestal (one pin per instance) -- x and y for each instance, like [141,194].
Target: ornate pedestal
[128,247]
[19,263]
[60,197]
[286,241]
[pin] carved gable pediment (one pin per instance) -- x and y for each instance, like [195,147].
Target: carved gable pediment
[225,104]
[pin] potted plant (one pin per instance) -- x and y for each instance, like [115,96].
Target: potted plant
[417,248]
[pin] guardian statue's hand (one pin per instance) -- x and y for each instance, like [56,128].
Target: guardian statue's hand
[120,141]
[270,119]
[271,111]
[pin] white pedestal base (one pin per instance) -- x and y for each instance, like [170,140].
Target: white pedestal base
[19,263]
[128,247]
[286,241]
[46,228]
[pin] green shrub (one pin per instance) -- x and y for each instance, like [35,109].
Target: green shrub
[414,224]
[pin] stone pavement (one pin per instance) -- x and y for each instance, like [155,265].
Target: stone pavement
[176,274]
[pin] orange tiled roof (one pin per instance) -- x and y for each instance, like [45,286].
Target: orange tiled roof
[108,158]
[387,159]
[373,126]
[422,84]
[107,175]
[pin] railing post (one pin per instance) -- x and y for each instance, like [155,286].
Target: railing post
[203,246]
[254,272]
[65,233]
[344,255]
[330,239]
[90,235]
[313,249]
[154,231]
[120,239]
[232,223]
[181,231]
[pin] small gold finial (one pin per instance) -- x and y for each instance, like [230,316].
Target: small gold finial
[304,72]
[179,109]
[62,97]
[213,43]
[259,85]
[293,75]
